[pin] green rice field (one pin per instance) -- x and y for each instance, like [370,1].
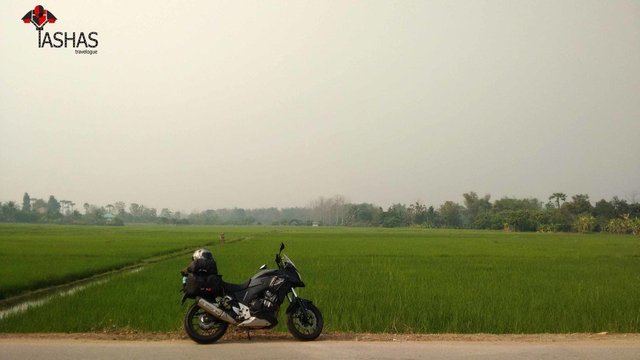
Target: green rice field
[33,256]
[363,280]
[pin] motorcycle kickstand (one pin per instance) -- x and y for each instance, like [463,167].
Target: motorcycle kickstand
[249,335]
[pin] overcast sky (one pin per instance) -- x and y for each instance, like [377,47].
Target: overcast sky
[210,104]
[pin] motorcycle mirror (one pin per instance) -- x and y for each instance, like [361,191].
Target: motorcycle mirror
[281,246]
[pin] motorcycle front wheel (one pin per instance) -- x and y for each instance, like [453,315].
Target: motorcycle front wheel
[203,327]
[305,324]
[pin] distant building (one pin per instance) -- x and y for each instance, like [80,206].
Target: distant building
[315,223]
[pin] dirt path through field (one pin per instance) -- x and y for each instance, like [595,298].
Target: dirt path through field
[331,346]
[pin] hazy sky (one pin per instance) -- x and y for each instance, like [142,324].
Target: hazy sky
[209,104]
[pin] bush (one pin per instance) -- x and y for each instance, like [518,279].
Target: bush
[520,220]
[584,224]
[490,221]
[635,226]
[624,225]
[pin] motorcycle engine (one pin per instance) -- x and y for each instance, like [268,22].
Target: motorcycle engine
[267,303]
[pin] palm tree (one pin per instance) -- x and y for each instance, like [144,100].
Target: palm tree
[558,197]
[64,206]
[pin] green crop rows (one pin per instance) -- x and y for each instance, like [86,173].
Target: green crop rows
[384,280]
[33,256]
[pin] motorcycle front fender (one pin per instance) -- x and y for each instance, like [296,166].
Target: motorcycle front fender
[297,303]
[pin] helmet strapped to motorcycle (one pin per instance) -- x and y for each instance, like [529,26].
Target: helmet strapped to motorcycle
[202,254]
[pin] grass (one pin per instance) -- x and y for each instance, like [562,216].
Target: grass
[33,256]
[394,280]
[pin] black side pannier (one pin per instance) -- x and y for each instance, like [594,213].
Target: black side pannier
[202,279]
[206,286]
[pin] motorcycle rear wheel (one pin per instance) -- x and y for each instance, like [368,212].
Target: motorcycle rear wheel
[203,327]
[305,325]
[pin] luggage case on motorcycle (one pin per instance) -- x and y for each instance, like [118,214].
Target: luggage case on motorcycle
[202,279]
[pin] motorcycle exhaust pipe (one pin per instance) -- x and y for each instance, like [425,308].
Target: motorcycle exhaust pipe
[216,311]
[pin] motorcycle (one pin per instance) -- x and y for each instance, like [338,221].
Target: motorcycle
[255,304]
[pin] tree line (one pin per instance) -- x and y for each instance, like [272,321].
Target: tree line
[559,213]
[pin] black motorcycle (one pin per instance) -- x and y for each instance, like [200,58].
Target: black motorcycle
[254,304]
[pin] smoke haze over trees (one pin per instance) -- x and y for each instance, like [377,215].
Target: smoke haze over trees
[559,213]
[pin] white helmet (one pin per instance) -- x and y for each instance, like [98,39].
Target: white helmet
[202,254]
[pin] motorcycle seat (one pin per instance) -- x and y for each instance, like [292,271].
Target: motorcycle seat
[230,288]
